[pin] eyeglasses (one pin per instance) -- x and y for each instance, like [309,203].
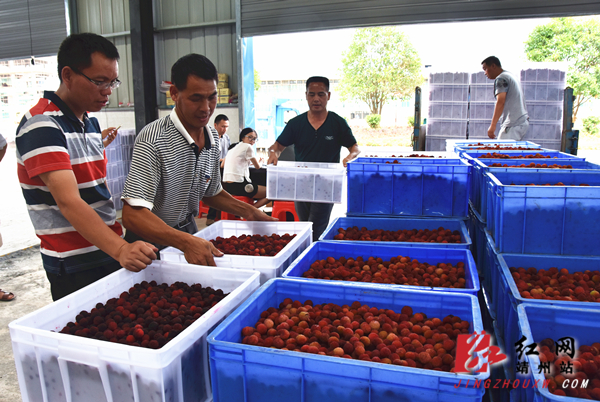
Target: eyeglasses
[102,85]
[252,139]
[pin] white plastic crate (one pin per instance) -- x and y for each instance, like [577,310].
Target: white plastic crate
[305,181]
[449,93]
[479,128]
[483,92]
[58,367]
[446,128]
[540,130]
[269,267]
[448,110]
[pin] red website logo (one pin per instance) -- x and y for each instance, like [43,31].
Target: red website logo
[474,353]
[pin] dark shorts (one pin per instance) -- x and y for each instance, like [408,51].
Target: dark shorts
[64,284]
[240,189]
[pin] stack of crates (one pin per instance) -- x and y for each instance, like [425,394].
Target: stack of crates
[527,223]
[543,90]
[223,88]
[448,108]
[119,154]
[481,106]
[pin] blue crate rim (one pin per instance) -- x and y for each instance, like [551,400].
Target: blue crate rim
[373,365]
[461,222]
[469,257]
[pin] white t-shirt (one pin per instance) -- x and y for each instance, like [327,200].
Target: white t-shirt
[237,162]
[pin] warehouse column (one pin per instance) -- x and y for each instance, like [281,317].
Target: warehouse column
[143,70]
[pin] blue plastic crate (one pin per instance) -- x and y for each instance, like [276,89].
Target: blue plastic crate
[506,296]
[470,155]
[408,161]
[252,373]
[482,166]
[422,189]
[470,145]
[478,239]
[396,224]
[323,249]
[540,322]
[488,259]
[544,219]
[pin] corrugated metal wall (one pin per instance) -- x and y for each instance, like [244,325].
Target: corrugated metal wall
[111,19]
[261,17]
[217,41]
[182,26]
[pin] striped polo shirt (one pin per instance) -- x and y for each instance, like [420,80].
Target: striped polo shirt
[50,137]
[169,175]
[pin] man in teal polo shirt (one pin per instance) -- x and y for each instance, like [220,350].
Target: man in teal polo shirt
[318,136]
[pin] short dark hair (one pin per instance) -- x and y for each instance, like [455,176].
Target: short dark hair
[77,49]
[323,80]
[221,117]
[492,60]
[245,132]
[192,64]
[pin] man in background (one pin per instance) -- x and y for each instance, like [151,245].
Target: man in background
[509,102]
[318,136]
[221,125]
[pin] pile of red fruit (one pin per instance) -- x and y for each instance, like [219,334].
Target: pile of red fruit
[406,156]
[398,271]
[439,235]
[533,165]
[555,284]
[360,332]
[481,146]
[149,315]
[254,245]
[586,366]
[495,155]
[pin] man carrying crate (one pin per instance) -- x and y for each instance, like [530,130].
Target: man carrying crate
[318,136]
[509,102]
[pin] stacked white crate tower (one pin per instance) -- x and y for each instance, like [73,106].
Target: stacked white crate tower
[118,154]
[461,101]
[543,89]
[448,108]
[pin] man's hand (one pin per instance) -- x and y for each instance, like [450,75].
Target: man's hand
[272,158]
[258,215]
[109,135]
[492,131]
[137,255]
[201,252]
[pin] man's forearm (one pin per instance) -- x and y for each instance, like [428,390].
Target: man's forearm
[150,227]
[498,109]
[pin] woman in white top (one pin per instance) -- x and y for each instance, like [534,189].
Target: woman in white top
[236,172]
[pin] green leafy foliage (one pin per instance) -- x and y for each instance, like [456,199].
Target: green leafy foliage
[591,125]
[380,65]
[373,120]
[576,41]
[256,80]
[411,121]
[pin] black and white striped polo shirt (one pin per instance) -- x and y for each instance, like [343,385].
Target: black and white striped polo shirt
[167,176]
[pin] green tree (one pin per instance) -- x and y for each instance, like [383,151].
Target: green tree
[380,65]
[256,80]
[576,41]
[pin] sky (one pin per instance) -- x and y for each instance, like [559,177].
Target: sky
[458,46]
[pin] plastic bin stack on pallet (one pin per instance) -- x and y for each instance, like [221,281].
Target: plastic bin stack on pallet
[118,154]
[52,366]
[481,106]
[543,90]
[448,108]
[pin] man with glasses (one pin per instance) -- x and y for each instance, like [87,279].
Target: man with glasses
[62,171]
[318,136]
[175,164]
